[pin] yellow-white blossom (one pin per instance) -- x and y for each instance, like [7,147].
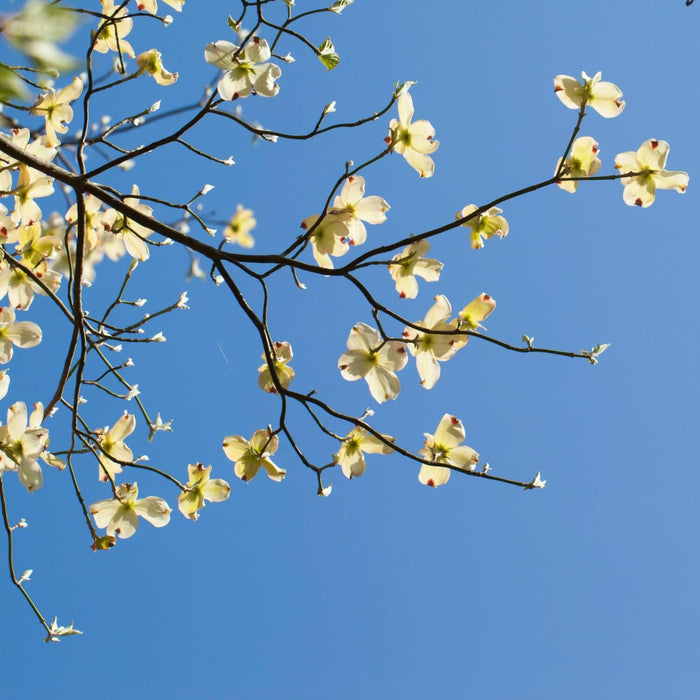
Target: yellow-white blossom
[445,447]
[250,455]
[409,264]
[484,225]
[201,488]
[351,455]
[582,161]
[239,227]
[605,98]
[375,360]
[120,515]
[649,160]
[414,141]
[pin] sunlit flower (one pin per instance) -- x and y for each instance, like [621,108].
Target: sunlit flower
[20,287]
[352,207]
[94,220]
[430,349]
[151,62]
[414,141]
[283,354]
[23,334]
[375,360]
[112,445]
[55,108]
[329,238]
[351,455]
[22,441]
[250,455]
[248,72]
[476,311]
[603,97]
[445,447]
[239,227]
[120,515]
[409,264]
[111,33]
[583,161]
[31,185]
[201,488]
[649,160]
[133,235]
[483,226]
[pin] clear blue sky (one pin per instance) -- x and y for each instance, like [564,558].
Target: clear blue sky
[388,589]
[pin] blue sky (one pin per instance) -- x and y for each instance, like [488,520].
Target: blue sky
[388,589]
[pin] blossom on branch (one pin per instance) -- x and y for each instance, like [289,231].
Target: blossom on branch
[649,161]
[352,208]
[111,32]
[150,62]
[583,161]
[133,235]
[201,488]
[247,71]
[282,353]
[431,348]
[484,225]
[374,359]
[409,264]
[445,447]
[603,97]
[120,515]
[239,227]
[357,443]
[329,238]
[250,455]
[476,311]
[112,445]
[22,334]
[22,441]
[414,141]
[55,108]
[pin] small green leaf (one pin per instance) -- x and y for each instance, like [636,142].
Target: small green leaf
[327,54]
[236,26]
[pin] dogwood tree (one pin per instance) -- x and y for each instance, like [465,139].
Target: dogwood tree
[69,224]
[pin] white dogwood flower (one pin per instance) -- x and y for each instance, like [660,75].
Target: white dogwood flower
[649,160]
[603,97]
[120,515]
[357,443]
[430,349]
[445,447]
[414,141]
[201,488]
[352,207]
[22,334]
[250,455]
[583,161]
[409,264]
[375,360]
[246,72]
[484,225]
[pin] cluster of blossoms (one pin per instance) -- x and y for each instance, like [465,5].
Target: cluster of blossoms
[112,32]
[343,225]
[45,249]
[434,339]
[643,172]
